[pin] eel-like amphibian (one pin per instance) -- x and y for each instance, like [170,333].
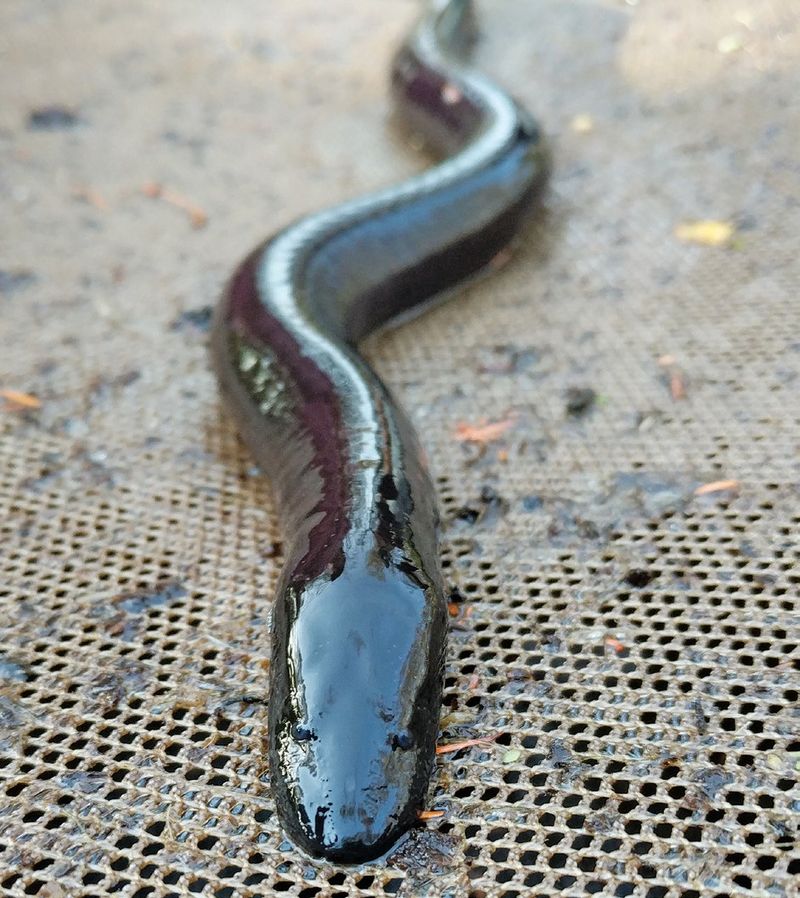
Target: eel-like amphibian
[359,619]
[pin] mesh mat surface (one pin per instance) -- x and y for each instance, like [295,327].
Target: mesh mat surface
[624,544]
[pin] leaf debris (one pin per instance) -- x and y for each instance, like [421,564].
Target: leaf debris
[707,232]
[582,124]
[730,43]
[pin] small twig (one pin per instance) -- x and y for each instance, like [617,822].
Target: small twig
[197,216]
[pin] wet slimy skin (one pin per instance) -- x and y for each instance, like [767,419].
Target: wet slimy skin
[359,619]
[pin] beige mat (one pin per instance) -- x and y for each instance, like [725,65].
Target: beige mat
[625,541]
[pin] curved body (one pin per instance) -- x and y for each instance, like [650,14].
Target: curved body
[359,620]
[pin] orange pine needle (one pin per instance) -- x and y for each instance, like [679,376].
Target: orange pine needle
[429,815]
[717,486]
[449,747]
[615,644]
[197,216]
[677,384]
[18,400]
[677,388]
[486,432]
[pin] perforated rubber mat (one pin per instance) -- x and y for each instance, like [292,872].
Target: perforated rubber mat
[612,419]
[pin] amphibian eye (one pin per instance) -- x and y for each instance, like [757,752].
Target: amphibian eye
[302,734]
[403,741]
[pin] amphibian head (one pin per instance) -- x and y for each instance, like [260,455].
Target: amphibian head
[356,691]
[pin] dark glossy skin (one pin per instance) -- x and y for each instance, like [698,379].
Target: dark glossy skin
[359,621]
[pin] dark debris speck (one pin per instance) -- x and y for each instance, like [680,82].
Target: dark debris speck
[487,511]
[102,386]
[532,503]
[424,851]
[15,279]
[700,719]
[560,755]
[86,781]
[579,400]
[467,514]
[12,670]
[165,592]
[506,358]
[53,118]
[456,596]
[11,713]
[712,780]
[639,578]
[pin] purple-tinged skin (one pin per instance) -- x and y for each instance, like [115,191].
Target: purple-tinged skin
[360,619]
